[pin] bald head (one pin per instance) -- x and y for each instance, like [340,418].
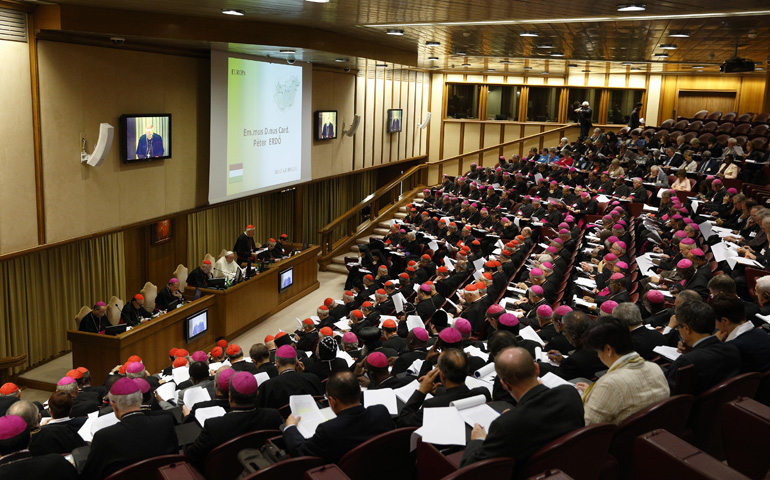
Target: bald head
[26,410]
[515,366]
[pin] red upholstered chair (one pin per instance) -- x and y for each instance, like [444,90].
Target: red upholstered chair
[685,377]
[700,115]
[741,129]
[681,124]
[491,468]
[704,137]
[714,115]
[762,118]
[434,465]
[694,126]
[709,127]
[365,462]
[659,452]
[146,468]
[745,430]
[675,133]
[722,139]
[291,468]
[660,133]
[760,143]
[689,136]
[763,391]
[623,131]
[726,127]
[552,474]
[759,130]
[222,462]
[728,117]
[667,124]
[745,118]
[581,454]
[670,414]
[741,140]
[704,419]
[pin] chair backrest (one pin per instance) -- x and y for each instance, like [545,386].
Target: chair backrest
[210,258]
[145,468]
[714,115]
[729,117]
[704,420]
[722,139]
[222,462]
[660,451]
[741,129]
[762,118]
[694,126]
[358,463]
[492,468]
[741,140]
[222,253]
[700,114]
[552,474]
[432,464]
[114,307]
[669,414]
[84,310]
[287,469]
[760,143]
[726,127]
[758,130]
[150,293]
[709,127]
[689,136]
[763,390]
[181,274]
[623,131]
[745,430]
[667,124]
[746,117]
[580,453]
[681,124]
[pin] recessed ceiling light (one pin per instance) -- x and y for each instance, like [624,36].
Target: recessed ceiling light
[759,68]
[434,67]
[432,58]
[528,34]
[317,1]
[586,71]
[490,70]
[545,45]
[573,65]
[557,54]
[230,11]
[466,64]
[681,34]
[698,67]
[527,68]
[636,69]
[432,43]
[544,73]
[632,7]
[460,53]
[287,50]
[340,60]
[394,31]
[661,55]
[504,62]
[382,65]
[667,46]
[627,64]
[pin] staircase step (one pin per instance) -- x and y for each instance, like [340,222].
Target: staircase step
[400,215]
[385,225]
[381,231]
[333,267]
[340,259]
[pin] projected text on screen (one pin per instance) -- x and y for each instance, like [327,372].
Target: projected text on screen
[264,119]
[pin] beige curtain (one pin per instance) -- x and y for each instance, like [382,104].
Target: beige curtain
[326,200]
[40,294]
[216,228]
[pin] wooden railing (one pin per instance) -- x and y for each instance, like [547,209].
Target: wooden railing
[341,233]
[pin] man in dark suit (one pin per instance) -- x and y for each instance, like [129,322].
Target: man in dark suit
[239,364]
[713,360]
[696,280]
[582,363]
[60,435]
[245,245]
[276,392]
[201,275]
[135,438]
[541,415]
[242,418]
[83,403]
[753,343]
[452,368]
[353,425]
[96,320]
[17,462]
[644,338]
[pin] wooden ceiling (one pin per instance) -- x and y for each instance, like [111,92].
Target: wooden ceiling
[478,33]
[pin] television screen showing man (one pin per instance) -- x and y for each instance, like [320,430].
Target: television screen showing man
[150,145]
[394,124]
[327,125]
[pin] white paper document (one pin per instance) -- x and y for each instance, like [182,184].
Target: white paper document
[764,318]
[528,333]
[669,352]
[381,396]
[203,414]
[195,395]
[346,356]
[442,426]
[478,264]
[398,302]
[448,264]
[414,321]
[103,422]
[473,382]
[305,407]
[167,391]
[415,367]
[743,261]
[261,378]
[85,430]
[475,410]
[476,352]
[487,372]
[403,393]
[343,324]
[180,374]
[551,380]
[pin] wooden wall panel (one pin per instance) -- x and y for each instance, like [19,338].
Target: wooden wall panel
[451,139]
[359,155]
[471,139]
[389,140]
[491,137]
[436,122]
[752,95]
[530,130]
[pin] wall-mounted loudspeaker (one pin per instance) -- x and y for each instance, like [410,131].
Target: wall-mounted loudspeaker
[353,126]
[103,145]
[425,122]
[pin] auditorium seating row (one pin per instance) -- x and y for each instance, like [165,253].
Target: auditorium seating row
[679,437]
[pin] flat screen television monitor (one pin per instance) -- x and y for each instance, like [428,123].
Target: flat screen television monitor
[196,325]
[325,124]
[145,137]
[394,120]
[286,278]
